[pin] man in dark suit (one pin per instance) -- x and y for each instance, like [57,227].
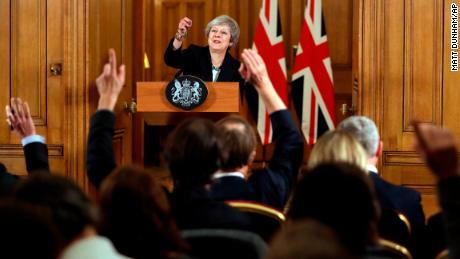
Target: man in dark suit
[193,154]
[35,149]
[390,196]
[271,185]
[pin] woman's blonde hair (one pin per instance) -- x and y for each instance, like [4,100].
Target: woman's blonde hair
[338,146]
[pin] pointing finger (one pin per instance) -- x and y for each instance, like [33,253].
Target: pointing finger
[112,61]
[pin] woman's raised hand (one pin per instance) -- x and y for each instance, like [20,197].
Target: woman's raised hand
[184,25]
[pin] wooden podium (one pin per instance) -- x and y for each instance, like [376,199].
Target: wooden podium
[223,97]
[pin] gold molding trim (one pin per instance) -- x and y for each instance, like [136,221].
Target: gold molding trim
[248,206]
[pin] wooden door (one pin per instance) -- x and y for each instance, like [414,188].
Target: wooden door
[75,35]
[405,75]
[110,25]
[32,40]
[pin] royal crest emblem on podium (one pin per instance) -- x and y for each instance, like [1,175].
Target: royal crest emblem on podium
[186,92]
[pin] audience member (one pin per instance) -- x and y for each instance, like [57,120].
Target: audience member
[337,146]
[35,150]
[339,195]
[100,160]
[271,185]
[136,215]
[193,154]
[439,149]
[306,239]
[390,196]
[436,235]
[25,233]
[72,212]
[340,146]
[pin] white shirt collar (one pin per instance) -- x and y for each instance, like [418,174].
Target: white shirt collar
[372,168]
[218,175]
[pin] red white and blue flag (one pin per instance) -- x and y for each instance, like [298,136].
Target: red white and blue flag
[312,83]
[268,41]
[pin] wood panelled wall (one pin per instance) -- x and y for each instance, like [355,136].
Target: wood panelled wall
[32,40]
[75,34]
[404,75]
[159,19]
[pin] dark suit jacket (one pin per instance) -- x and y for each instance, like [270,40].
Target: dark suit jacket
[399,198]
[100,160]
[408,202]
[271,185]
[196,61]
[192,206]
[36,156]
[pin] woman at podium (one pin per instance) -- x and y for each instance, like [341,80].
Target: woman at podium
[211,63]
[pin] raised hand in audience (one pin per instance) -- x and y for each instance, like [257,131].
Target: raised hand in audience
[35,150]
[253,69]
[19,118]
[110,83]
[438,147]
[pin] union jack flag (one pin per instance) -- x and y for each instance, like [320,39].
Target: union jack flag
[268,41]
[312,83]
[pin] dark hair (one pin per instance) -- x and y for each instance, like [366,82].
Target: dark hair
[69,207]
[136,214]
[306,239]
[341,196]
[26,233]
[193,152]
[239,141]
